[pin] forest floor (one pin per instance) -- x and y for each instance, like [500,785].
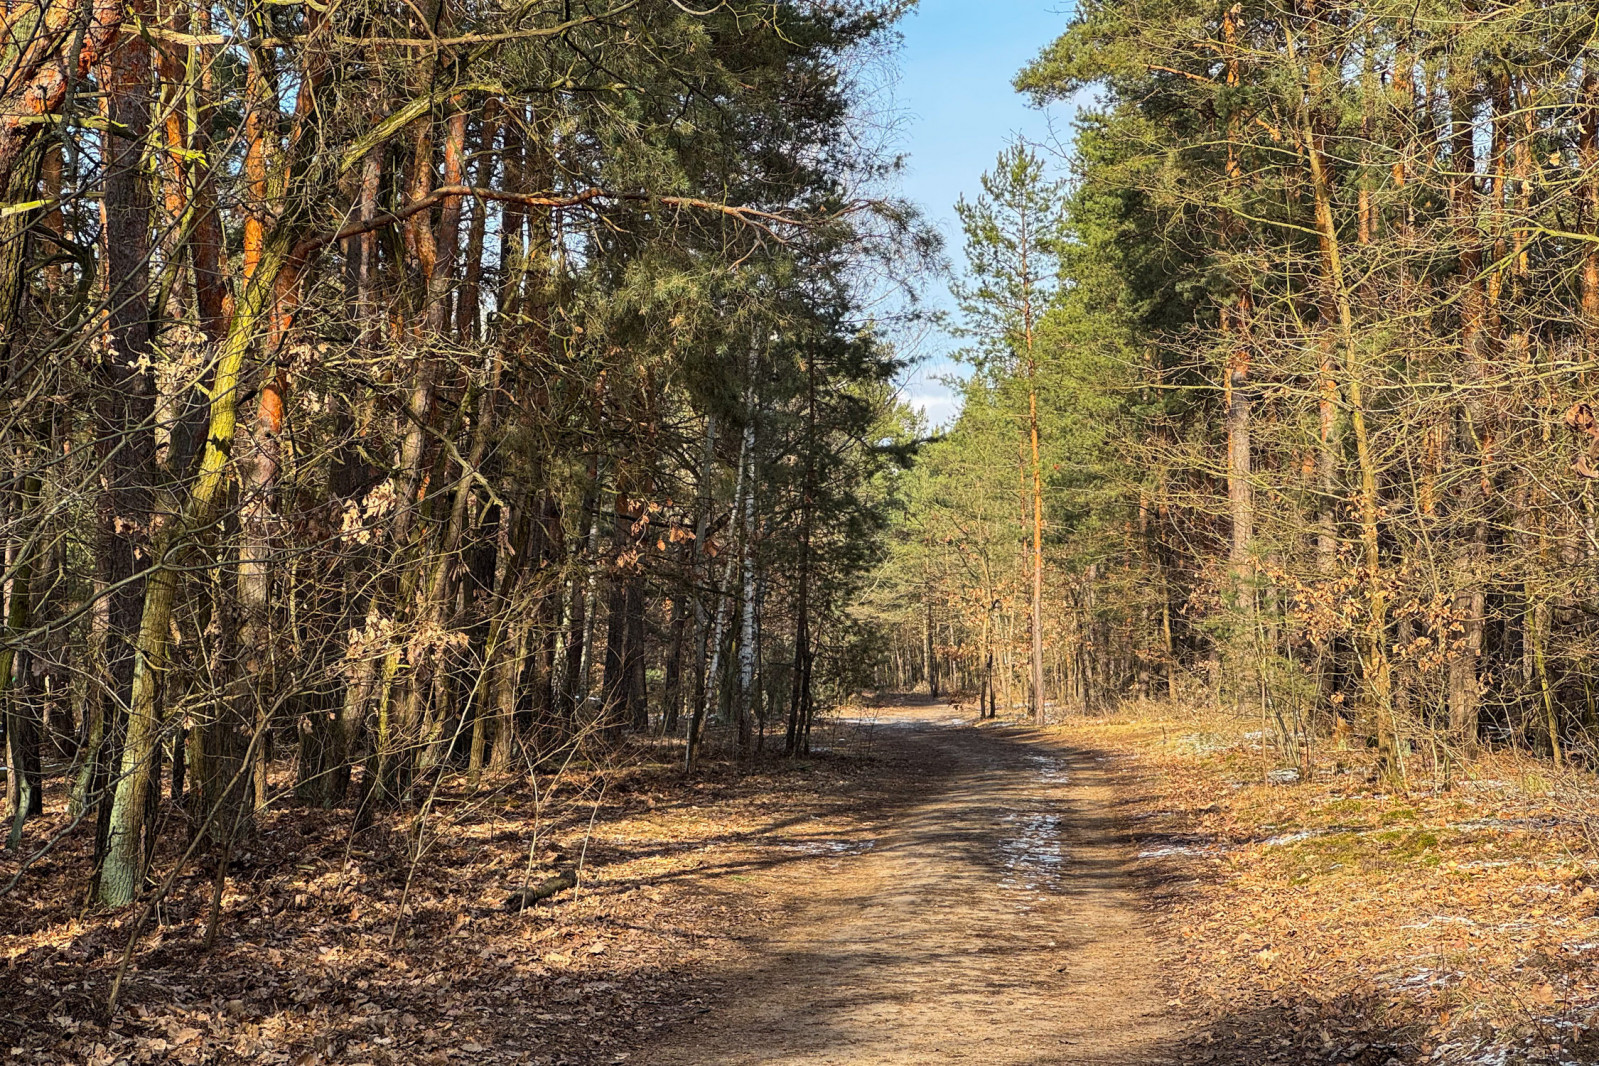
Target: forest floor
[1333,917]
[1132,890]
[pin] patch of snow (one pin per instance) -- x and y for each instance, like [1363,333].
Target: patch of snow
[1177,849]
[1425,979]
[1034,855]
[1050,769]
[1439,919]
[1538,822]
[829,847]
[1489,864]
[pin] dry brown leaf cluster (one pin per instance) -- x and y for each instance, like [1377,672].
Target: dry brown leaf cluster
[1348,923]
[304,973]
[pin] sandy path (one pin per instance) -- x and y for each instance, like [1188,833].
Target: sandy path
[986,917]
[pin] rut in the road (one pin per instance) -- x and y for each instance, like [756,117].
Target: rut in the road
[991,922]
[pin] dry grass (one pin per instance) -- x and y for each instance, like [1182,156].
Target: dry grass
[1447,925]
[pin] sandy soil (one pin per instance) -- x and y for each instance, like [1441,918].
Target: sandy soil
[977,907]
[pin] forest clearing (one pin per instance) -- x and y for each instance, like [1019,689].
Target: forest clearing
[527,536]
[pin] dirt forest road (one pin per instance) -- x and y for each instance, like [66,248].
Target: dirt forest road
[984,915]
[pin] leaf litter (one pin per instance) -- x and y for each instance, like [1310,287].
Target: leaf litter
[304,972]
[1327,919]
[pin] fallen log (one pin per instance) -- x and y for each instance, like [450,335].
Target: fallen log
[524,898]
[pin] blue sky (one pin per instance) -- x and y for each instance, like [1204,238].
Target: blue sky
[959,109]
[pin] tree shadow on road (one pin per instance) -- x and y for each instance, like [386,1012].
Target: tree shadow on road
[864,993]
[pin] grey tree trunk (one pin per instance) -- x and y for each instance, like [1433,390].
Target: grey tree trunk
[724,610]
[746,639]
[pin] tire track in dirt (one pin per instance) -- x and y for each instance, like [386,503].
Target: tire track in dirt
[988,918]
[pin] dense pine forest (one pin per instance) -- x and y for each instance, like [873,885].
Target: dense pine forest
[1280,386]
[471,569]
[394,392]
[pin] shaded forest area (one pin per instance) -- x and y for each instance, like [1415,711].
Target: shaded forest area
[412,411]
[1281,391]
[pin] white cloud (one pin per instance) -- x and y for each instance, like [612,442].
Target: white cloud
[939,408]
